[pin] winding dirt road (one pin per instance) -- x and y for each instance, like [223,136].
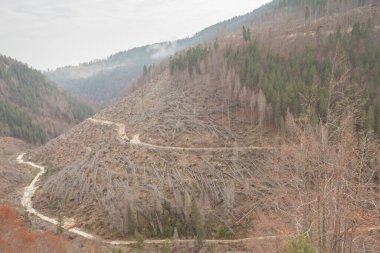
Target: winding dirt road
[136,141]
[26,200]
[69,224]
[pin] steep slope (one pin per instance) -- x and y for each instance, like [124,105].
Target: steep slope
[32,108]
[218,145]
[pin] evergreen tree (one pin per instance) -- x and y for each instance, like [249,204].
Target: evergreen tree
[216,44]
[197,223]
[145,70]
[371,121]
[246,34]
[299,245]
[378,124]
[307,13]
[60,224]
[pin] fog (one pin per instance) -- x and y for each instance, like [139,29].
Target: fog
[52,33]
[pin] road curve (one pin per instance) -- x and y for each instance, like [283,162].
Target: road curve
[136,141]
[26,200]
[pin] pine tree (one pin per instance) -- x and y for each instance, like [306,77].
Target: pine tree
[246,34]
[197,222]
[26,217]
[371,119]
[307,13]
[216,44]
[299,245]
[145,69]
[60,225]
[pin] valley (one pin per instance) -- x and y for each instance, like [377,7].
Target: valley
[251,136]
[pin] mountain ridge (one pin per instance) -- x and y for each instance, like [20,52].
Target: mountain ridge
[104,80]
[97,81]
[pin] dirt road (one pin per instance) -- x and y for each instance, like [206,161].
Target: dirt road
[29,191]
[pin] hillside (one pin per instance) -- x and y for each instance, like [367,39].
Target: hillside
[102,81]
[33,108]
[12,177]
[232,139]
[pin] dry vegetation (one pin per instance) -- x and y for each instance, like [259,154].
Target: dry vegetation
[117,188]
[12,177]
[322,180]
[16,237]
[332,174]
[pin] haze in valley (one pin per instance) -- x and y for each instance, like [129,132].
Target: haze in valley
[51,33]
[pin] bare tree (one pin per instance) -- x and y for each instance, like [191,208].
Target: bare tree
[332,169]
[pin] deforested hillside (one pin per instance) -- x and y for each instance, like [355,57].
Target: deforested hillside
[164,187]
[33,108]
[236,138]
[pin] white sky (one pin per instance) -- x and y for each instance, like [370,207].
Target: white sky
[54,33]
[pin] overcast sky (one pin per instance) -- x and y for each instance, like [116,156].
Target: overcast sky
[54,33]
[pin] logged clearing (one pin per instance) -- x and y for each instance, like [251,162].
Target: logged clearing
[213,145]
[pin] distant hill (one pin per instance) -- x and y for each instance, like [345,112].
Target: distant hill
[33,108]
[104,80]
[101,81]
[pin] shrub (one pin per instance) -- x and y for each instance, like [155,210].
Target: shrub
[166,247]
[15,237]
[300,244]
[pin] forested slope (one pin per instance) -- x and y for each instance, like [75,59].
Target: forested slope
[300,81]
[297,82]
[32,108]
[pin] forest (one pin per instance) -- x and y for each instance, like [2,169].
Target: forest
[298,83]
[32,108]
[16,123]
